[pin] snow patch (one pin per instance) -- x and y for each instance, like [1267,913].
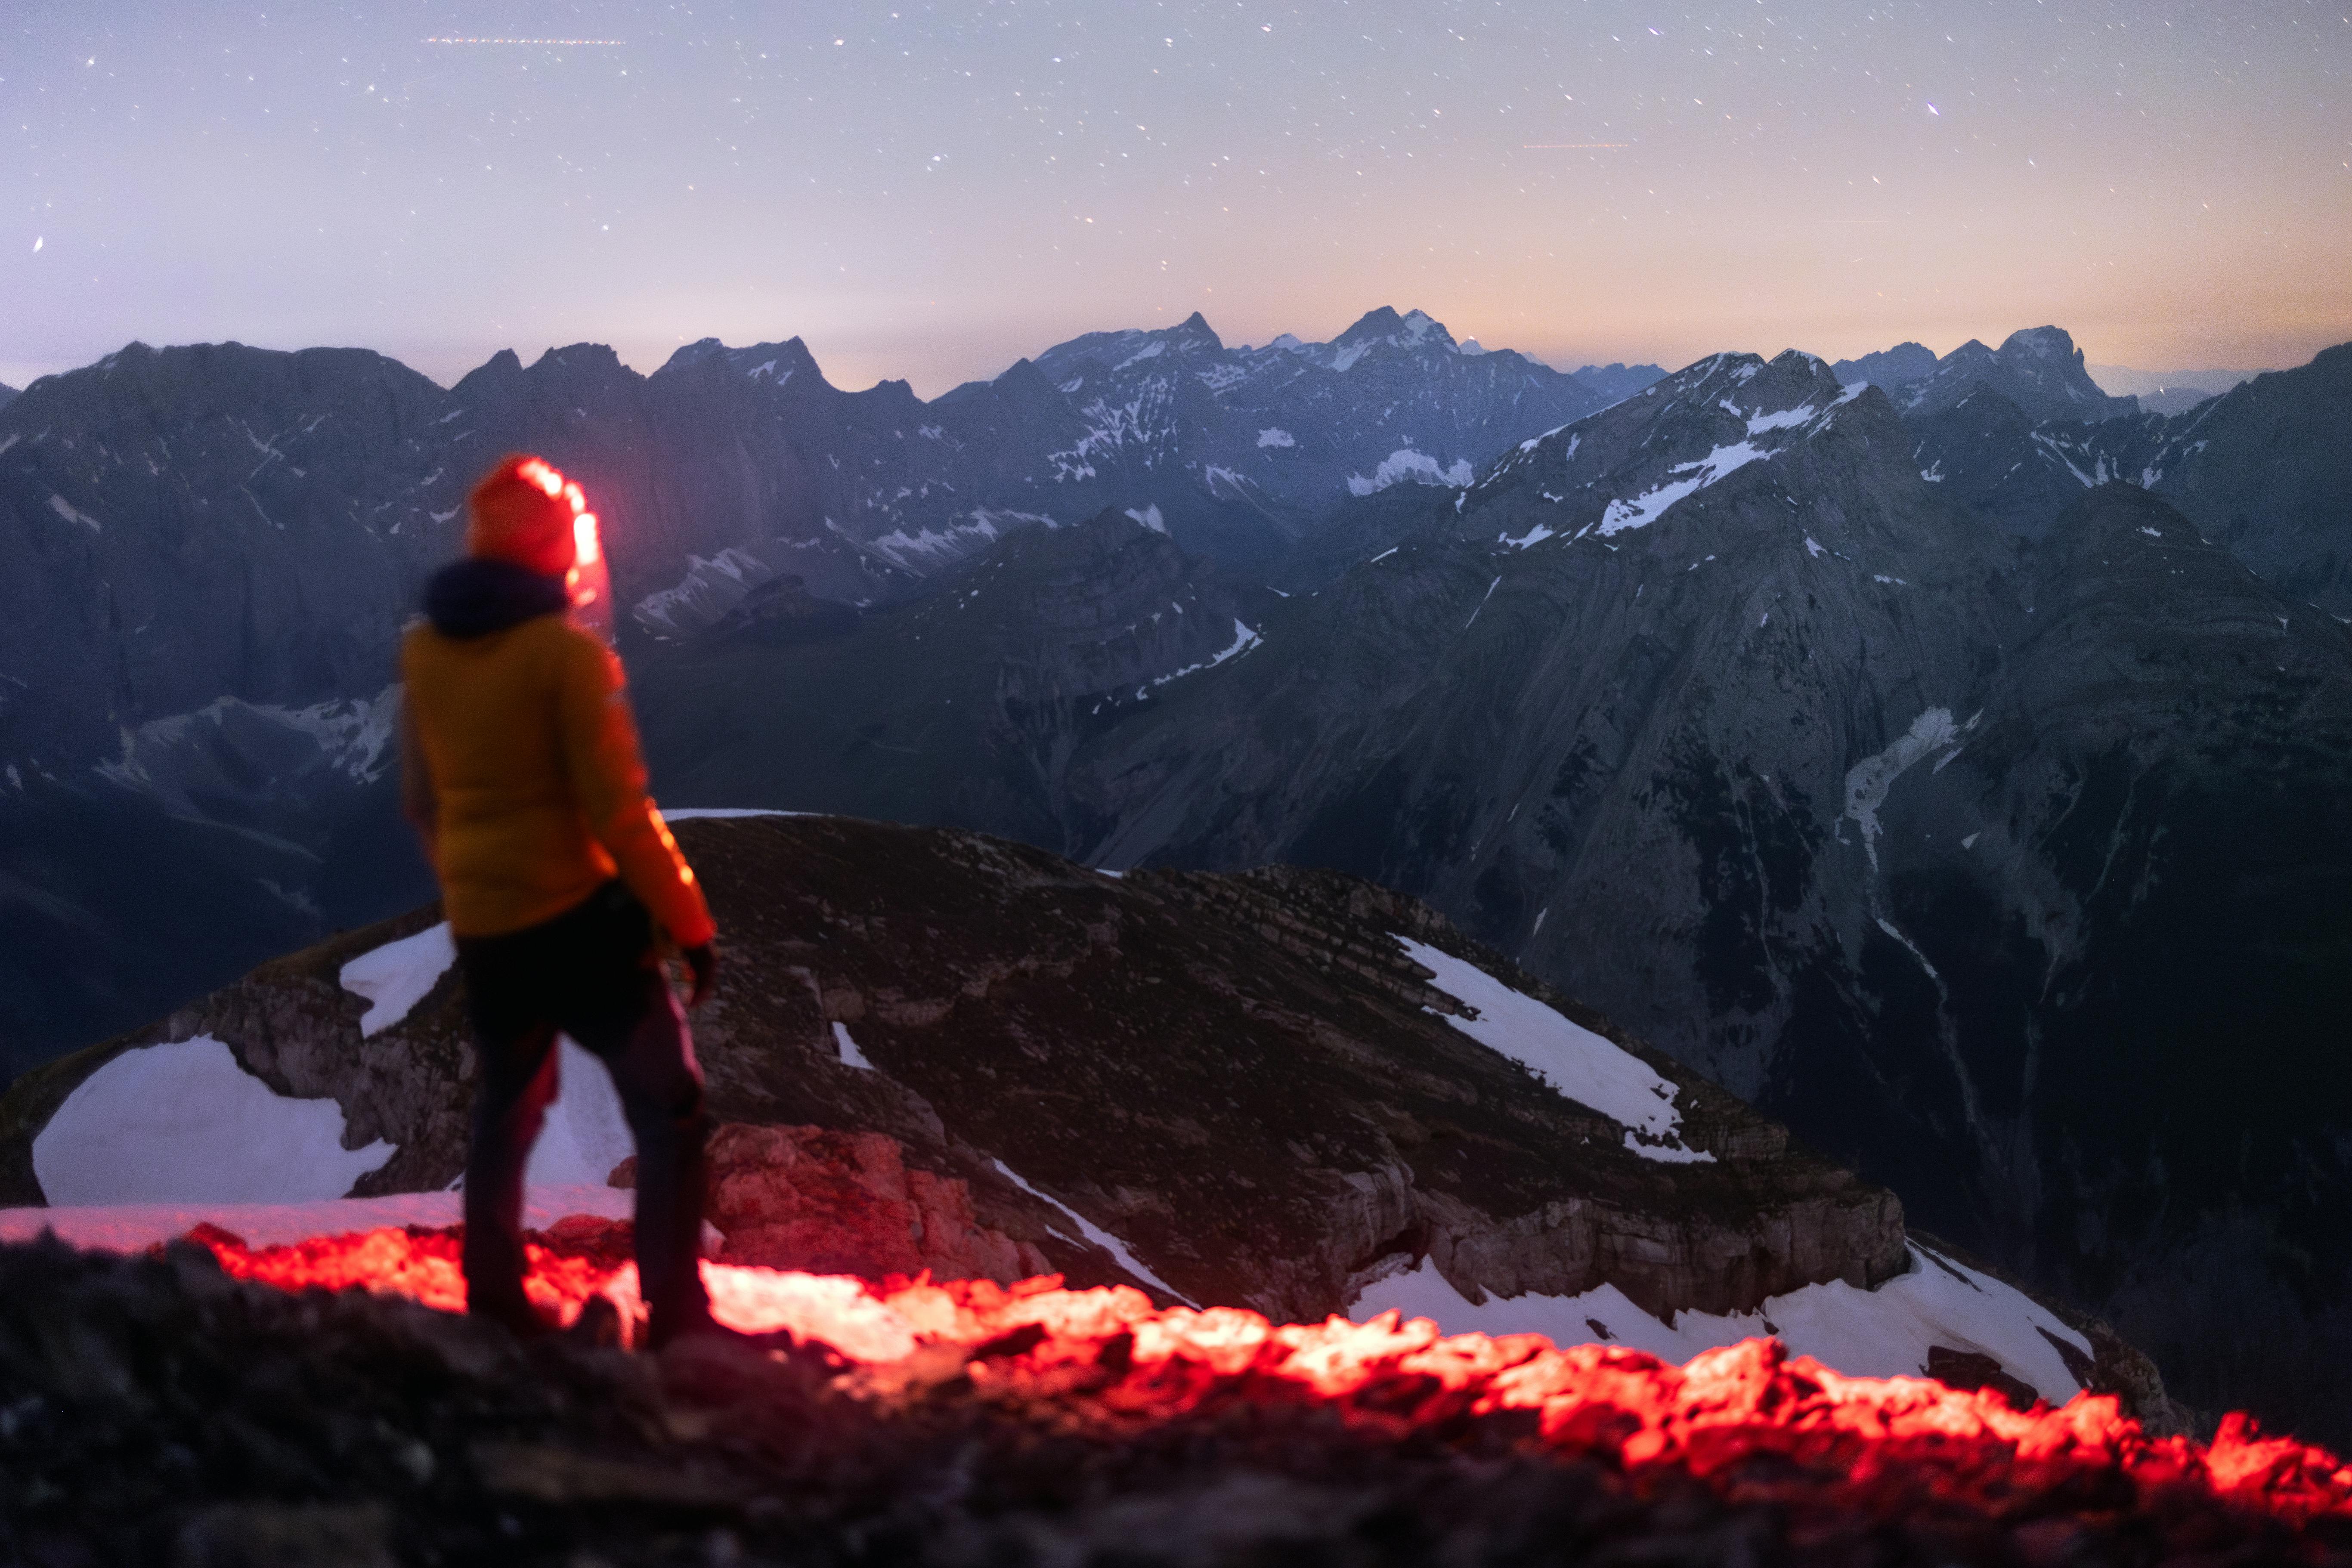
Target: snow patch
[179,760]
[1577,1064]
[65,508]
[1244,640]
[1643,509]
[398,975]
[584,1135]
[1275,436]
[691,813]
[1881,1332]
[1095,1233]
[1149,517]
[1813,547]
[850,1054]
[1867,781]
[711,587]
[1405,463]
[1891,929]
[929,549]
[1780,420]
[1481,604]
[184,1123]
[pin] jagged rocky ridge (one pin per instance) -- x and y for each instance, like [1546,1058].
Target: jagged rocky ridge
[216,546]
[2039,369]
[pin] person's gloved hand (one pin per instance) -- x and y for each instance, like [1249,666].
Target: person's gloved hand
[703,963]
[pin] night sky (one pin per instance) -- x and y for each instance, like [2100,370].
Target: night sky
[930,190]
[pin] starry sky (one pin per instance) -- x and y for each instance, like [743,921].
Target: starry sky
[929,191]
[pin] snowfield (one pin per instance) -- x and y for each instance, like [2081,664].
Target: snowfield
[185,1124]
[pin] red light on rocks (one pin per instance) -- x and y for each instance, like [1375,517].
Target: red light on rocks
[1749,1420]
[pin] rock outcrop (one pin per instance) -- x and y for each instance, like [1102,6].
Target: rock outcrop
[847,1202]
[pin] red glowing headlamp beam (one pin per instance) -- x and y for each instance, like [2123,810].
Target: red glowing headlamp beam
[588,550]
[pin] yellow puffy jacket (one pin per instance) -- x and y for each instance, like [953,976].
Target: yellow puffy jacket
[520,767]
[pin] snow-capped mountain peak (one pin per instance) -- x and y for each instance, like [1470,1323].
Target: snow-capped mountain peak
[1623,468]
[1414,331]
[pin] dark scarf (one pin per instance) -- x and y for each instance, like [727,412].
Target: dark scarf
[474,597]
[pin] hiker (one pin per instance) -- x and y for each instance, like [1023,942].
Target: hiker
[520,770]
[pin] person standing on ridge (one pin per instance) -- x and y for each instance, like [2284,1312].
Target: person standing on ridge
[521,772]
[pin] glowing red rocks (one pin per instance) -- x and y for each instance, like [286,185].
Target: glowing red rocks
[1749,1420]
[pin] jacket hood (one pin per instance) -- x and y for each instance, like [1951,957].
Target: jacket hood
[474,597]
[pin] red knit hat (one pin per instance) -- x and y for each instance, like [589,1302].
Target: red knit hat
[521,513]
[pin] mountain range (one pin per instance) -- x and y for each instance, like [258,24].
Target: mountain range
[1874,748]
[219,545]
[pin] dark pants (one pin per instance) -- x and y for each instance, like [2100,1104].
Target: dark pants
[592,973]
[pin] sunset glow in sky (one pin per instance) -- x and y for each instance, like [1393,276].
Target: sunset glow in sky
[930,190]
